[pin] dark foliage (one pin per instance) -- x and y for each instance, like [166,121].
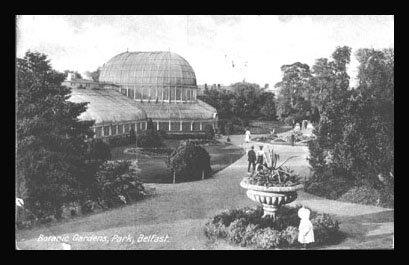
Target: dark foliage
[149,137]
[247,227]
[189,161]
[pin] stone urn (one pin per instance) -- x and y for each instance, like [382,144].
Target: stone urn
[272,198]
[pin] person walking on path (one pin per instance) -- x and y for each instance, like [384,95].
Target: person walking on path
[252,159]
[248,135]
[260,155]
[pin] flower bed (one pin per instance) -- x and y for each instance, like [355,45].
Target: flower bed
[247,227]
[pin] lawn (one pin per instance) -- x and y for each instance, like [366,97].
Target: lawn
[153,167]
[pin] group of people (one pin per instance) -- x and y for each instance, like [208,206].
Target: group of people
[260,157]
[303,124]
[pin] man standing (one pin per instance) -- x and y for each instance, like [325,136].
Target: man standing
[251,158]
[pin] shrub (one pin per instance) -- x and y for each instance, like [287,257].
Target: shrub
[289,235]
[209,132]
[188,162]
[247,227]
[117,183]
[267,238]
[185,136]
[132,136]
[150,137]
[99,150]
[325,228]
[229,128]
[359,131]
[237,231]
[118,140]
[163,134]
[221,127]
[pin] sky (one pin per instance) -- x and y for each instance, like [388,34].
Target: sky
[221,49]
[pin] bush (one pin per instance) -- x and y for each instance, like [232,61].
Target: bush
[325,228]
[119,140]
[163,134]
[185,136]
[267,238]
[132,136]
[359,131]
[188,161]
[247,227]
[150,137]
[99,150]
[209,132]
[116,184]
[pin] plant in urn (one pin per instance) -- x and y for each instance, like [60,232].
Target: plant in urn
[272,185]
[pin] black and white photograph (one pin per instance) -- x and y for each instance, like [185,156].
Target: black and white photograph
[204,132]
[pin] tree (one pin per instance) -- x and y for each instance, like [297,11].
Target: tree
[356,129]
[51,146]
[246,100]
[94,75]
[293,89]
[376,73]
[189,161]
[268,106]
[329,79]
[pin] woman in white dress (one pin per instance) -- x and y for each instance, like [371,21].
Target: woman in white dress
[247,137]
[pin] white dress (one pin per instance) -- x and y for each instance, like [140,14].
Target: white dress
[306,229]
[247,138]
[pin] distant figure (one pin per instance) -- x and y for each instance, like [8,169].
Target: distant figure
[297,126]
[304,124]
[247,137]
[252,159]
[293,123]
[306,229]
[292,139]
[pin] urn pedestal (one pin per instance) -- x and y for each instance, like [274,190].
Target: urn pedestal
[272,198]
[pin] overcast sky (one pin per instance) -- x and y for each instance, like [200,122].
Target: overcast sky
[257,46]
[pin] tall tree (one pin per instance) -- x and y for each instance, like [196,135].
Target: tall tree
[330,79]
[51,147]
[94,75]
[293,88]
[376,73]
[268,106]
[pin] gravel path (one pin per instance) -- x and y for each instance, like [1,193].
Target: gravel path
[178,212]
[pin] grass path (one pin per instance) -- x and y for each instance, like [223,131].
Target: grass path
[178,213]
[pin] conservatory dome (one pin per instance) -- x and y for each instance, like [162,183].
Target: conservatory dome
[163,76]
